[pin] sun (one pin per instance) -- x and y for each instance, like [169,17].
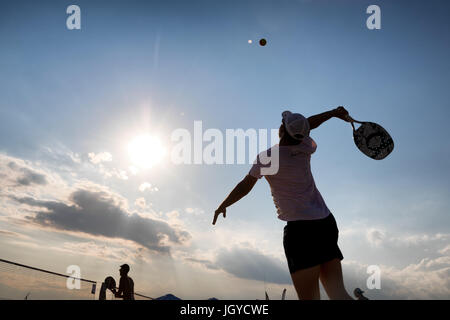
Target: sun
[146,151]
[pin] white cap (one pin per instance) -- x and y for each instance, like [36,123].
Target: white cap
[296,125]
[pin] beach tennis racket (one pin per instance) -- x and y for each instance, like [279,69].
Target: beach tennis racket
[372,139]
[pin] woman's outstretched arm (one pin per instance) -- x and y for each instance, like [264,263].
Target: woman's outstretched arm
[240,191]
[318,119]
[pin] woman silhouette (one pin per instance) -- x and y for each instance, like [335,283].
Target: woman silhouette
[311,234]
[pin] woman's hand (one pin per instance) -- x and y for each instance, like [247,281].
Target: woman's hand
[218,212]
[341,113]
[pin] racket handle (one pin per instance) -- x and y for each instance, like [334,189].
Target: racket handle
[351,120]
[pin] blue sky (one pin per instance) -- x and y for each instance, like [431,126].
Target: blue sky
[140,67]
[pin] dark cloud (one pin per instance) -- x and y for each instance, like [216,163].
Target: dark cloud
[251,264]
[31,177]
[28,176]
[247,263]
[97,213]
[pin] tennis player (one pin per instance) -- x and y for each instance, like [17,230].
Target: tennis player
[311,234]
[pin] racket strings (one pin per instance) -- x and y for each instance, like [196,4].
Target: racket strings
[373,140]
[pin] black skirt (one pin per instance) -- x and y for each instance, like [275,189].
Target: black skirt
[308,243]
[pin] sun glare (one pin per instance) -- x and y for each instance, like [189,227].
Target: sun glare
[146,151]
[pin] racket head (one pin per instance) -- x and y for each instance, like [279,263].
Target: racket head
[373,140]
[110,283]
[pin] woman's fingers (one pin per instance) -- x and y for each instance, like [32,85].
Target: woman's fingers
[217,213]
[343,114]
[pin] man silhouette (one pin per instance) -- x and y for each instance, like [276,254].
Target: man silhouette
[126,284]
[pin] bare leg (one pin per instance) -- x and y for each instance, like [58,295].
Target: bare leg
[332,281]
[306,283]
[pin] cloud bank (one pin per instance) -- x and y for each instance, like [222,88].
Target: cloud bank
[98,213]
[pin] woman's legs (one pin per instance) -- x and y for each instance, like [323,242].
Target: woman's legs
[332,281]
[306,283]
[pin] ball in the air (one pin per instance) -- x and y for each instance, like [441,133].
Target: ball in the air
[262,42]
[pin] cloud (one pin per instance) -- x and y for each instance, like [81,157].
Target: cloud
[141,203]
[27,176]
[100,157]
[59,156]
[101,162]
[99,213]
[194,211]
[62,159]
[379,237]
[375,237]
[247,263]
[173,214]
[147,186]
[413,266]
[207,263]
[20,177]
[103,251]
[428,279]
[251,264]
[30,177]
[120,174]
[12,234]
[445,251]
